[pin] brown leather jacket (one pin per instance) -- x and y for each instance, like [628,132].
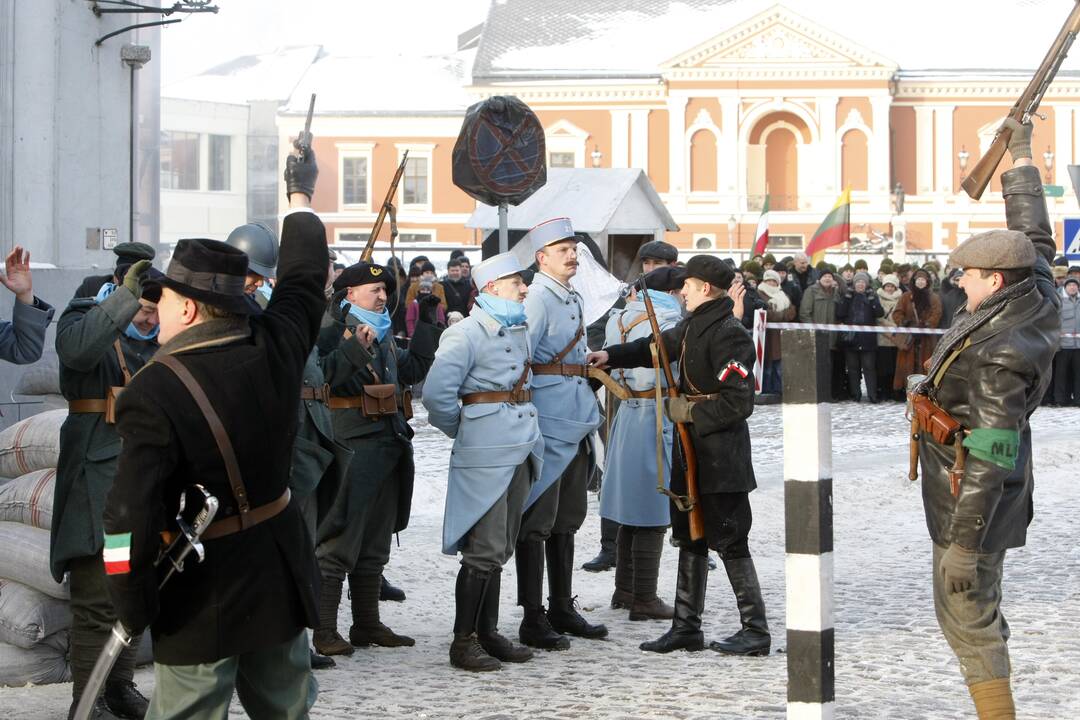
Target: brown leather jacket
[992,388]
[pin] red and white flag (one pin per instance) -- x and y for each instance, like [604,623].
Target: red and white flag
[762,238]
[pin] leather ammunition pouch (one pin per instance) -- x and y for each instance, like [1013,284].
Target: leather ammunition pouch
[379,400]
[406,403]
[942,426]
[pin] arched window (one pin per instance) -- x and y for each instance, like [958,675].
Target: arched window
[703,162]
[782,168]
[853,160]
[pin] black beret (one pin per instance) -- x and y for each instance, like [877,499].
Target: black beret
[710,269]
[364,273]
[666,278]
[132,252]
[658,250]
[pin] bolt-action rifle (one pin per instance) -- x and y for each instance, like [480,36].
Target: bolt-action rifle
[387,208]
[1027,106]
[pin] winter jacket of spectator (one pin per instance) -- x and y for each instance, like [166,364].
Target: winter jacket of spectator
[793,291]
[803,280]
[412,316]
[778,308]
[459,294]
[1070,322]
[953,298]
[819,306]
[910,359]
[857,308]
[888,304]
[994,385]
[751,302]
[414,290]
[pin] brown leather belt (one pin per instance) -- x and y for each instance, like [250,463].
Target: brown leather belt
[641,394]
[564,369]
[321,394]
[700,398]
[88,406]
[497,396]
[346,403]
[233,524]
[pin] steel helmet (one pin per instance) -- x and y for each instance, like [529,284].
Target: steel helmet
[260,244]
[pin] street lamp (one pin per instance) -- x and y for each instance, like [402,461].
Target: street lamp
[596,156]
[1048,160]
[962,159]
[732,224]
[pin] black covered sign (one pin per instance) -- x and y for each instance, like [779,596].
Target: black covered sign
[500,153]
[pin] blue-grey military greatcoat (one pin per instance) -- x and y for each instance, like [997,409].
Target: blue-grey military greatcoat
[491,440]
[566,406]
[629,495]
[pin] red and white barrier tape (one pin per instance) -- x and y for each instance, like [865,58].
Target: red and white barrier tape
[869,329]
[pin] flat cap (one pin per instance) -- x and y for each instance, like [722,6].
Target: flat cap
[995,250]
[710,269]
[128,253]
[658,250]
[364,273]
[666,278]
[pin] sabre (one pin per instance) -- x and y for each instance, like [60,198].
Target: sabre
[184,542]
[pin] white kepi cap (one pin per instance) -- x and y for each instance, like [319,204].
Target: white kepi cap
[550,231]
[495,267]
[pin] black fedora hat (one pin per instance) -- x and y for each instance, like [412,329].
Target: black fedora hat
[211,272]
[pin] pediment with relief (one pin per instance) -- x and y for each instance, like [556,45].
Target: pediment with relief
[775,39]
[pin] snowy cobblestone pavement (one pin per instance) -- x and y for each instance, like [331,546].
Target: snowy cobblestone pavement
[891,661]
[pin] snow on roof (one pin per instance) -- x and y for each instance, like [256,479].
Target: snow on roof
[531,38]
[595,200]
[266,76]
[385,85]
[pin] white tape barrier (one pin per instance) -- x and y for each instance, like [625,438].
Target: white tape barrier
[887,330]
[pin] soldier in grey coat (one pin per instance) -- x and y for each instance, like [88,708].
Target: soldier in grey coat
[568,414]
[22,339]
[477,393]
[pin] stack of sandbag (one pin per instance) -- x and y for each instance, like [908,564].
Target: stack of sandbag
[34,609]
[40,383]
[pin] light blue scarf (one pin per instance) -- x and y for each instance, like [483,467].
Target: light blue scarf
[131,331]
[507,312]
[265,290]
[381,322]
[664,301]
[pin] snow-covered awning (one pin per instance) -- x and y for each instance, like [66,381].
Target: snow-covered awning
[597,200]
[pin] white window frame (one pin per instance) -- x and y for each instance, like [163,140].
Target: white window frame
[431,232]
[417,150]
[565,137]
[354,150]
[339,231]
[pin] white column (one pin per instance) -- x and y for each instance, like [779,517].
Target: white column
[829,168]
[924,149]
[639,139]
[677,145]
[1063,145]
[878,155]
[943,148]
[620,138]
[731,167]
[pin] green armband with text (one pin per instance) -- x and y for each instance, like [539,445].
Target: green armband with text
[994,445]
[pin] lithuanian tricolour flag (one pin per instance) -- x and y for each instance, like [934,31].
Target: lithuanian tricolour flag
[834,230]
[117,553]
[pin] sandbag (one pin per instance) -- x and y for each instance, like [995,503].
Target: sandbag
[42,664]
[29,499]
[41,378]
[27,616]
[25,559]
[32,444]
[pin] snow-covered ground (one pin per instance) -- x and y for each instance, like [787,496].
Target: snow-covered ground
[891,661]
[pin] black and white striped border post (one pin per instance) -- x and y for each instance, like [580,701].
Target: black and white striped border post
[808,522]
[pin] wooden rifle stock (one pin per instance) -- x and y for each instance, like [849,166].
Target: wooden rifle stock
[697,518]
[979,178]
[386,207]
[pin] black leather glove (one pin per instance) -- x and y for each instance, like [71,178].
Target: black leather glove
[1020,142]
[136,276]
[301,174]
[428,308]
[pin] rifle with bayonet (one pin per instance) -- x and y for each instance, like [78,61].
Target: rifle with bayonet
[688,503]
[387,208]
[178,546]
[1026,107]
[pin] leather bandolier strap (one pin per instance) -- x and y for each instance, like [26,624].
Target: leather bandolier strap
[515,395]
[246,517]
[320,394]
[558,367]
[105,405]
